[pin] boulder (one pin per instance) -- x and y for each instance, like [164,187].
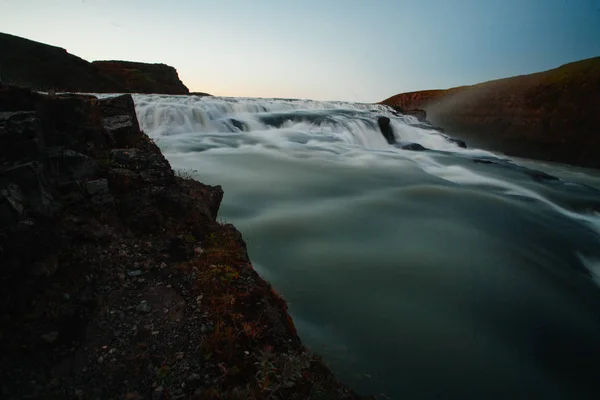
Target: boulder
[30,179]
[120,129]
[20,136]
[413,147]
[458,142]
[386,129]
[70,164]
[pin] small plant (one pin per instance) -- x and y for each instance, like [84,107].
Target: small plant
[252,330]
[189,238]
[282,371]
[162,373]
[186,173]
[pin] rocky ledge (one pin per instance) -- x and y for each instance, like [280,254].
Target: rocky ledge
[116,280]
[44,67]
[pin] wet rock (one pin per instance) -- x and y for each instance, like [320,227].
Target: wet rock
[238,124]
[458,142]
[482,161]
[413,147]
[386,129]
[540,176]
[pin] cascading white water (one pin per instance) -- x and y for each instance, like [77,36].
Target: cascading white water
[443,273]
[353,124]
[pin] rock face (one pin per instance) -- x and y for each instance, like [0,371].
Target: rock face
[143,78]
[116,280]
[386,129]
[550,115]
[40,66]
[43,67]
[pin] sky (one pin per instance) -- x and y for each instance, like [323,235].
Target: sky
[353,50]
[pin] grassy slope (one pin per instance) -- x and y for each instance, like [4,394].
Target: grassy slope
[549,115]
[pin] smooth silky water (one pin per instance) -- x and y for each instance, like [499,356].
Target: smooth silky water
[450,273]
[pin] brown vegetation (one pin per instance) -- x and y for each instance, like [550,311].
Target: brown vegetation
[550,115]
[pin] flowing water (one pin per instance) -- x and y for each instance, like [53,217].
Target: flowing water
[449,273]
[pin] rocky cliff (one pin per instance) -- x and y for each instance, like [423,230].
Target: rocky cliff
[143,78]
[43,67]
[550,115]
[116,280]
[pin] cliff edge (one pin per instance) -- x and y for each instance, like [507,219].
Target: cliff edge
[39,66]
[116,280]
[142,77]
[551,115]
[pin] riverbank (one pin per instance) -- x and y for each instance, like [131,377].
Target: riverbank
[117,280]
[550,115]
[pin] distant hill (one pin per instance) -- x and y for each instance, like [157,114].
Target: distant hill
[143,78]
[552,115]
[39,66]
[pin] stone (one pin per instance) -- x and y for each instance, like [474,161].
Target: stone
[458,142]
[71,163]
[413,147]
[30,179]
[386,129]
[120,128]
[70,192]
[158,393]
[99,186]
[20,136]
[99,192]
[50,337]
[11,204]
[144,307]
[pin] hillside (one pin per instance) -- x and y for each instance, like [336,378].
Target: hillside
[143,78]
[40,66]
[551,115]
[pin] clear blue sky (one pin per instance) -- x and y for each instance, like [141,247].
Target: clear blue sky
[356,50]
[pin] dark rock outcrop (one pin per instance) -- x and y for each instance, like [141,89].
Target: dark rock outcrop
[550,115]
[116,280]
[44,67]
[386,129]
[143,78]
[413,147]
[458,142]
